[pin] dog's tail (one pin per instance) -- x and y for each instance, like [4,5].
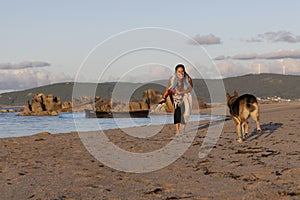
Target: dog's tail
[252,103]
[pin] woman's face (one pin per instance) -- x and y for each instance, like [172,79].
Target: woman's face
[180,73]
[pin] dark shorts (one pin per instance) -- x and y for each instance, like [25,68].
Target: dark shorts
[178,114]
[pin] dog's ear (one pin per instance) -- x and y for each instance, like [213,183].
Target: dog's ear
[235,94]
[228,96]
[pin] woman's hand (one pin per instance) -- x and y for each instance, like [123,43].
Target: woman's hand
[162,100]
[171,91]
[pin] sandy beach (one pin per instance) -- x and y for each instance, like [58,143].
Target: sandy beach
[58,166]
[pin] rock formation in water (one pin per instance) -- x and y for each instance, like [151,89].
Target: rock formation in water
[43,105]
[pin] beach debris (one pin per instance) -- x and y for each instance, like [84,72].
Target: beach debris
[43,133]
[155,191]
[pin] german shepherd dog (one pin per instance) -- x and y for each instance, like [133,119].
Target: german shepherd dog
[241,108]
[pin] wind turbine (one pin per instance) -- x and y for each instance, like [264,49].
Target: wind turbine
[283,66]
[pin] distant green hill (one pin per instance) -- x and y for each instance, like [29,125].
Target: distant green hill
[263,85]
[65,91]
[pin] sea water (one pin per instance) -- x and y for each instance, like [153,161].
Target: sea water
[15,126]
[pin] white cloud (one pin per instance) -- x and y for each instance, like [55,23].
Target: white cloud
[220,58]
[23,65]
[294,54]
[244,56]
[282,54]
[291,66]
[205,39]
[279,36]
[146,73]
[253,40]
[28,78]
[159,72]
[229,68]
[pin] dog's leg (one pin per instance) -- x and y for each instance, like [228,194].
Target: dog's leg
[258,125]
[244,118]
[238,128]
[255,116]
[245,128]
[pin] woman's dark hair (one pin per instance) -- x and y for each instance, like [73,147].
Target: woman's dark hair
[180,66]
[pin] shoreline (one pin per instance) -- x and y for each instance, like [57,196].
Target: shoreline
[72,127]
[58,166]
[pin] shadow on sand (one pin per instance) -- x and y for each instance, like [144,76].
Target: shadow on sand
[214,122]
[268,129]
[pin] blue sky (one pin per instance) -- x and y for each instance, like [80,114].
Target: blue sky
[44,42]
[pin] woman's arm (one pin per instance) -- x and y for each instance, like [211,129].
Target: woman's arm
[166,93]
[190,81]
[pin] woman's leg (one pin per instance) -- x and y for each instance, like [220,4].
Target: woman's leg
[187,100]
[183,119]
[177,126]
[186,110]
[177,118]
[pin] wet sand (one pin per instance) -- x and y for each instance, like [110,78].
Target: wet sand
[58,166]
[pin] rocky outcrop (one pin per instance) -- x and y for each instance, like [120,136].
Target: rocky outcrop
[3,111]
[42,105]
[103,105]
[11,110]
[152,96]
[66,106]
[79,105]
[149,100]
[109,105]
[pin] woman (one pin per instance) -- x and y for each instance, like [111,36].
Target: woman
[179,87]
